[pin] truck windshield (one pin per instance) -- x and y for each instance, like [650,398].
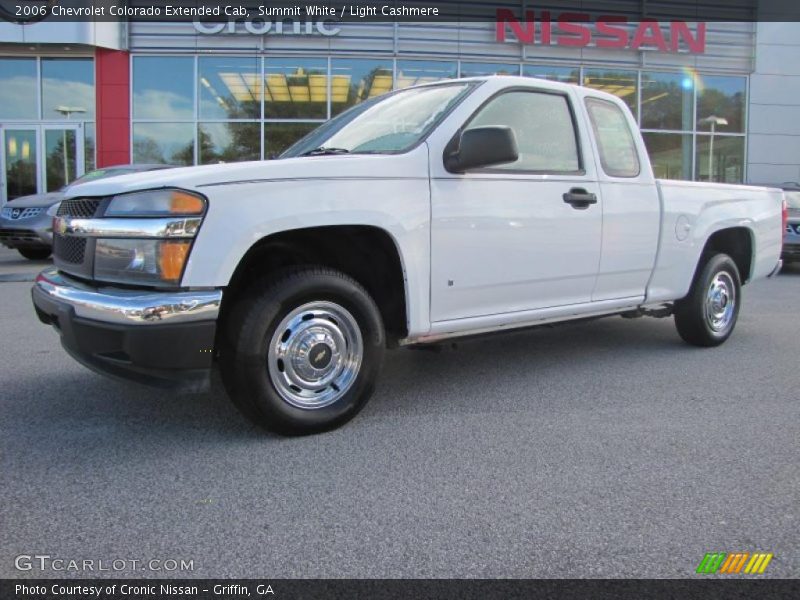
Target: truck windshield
[389,124]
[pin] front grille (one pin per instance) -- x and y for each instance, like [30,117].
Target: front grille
[79,207]
[69,249]
[20,213]
[19,236]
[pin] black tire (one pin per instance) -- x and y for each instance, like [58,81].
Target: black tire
[247,336]
[692,319]
[35,253]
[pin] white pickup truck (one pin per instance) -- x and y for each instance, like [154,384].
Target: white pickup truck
[450,209]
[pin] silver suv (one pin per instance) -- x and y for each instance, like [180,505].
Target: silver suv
[26,223]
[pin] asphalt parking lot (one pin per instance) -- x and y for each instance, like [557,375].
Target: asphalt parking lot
[604,449]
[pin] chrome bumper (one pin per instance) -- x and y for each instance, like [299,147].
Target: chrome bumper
[128,307]
[777,268]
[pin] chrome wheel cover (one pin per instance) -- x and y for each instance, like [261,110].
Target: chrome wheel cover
[720,302]
[315,354]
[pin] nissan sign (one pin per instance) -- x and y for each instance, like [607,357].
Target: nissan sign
[611,31]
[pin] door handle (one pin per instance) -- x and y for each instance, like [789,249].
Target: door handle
[579,198]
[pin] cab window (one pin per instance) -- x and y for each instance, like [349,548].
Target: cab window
[543,126]
[618,155]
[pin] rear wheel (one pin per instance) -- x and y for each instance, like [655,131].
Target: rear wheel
[35,253]
[301,354]
[708,315]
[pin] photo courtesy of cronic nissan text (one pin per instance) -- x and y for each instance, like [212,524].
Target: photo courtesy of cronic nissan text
[399,299]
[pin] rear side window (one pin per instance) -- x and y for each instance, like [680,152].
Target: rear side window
[614,139]
[542,124]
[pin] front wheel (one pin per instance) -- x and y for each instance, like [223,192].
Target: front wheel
[707,316]
[301,354]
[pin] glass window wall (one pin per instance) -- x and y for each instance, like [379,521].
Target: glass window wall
[563,74]
[229,88]
[68,89]
[221,108]
[667,101]
[355,80]
[296,88]
[18,89]
[721,103]
[622,84]
[163,87]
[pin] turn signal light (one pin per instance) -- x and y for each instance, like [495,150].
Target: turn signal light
[185,204]
[171,258]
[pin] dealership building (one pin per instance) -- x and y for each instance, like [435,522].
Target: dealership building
[716,100]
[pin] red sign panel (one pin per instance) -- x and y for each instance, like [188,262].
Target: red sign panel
[610,31]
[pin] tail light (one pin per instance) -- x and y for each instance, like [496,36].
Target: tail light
[785,218]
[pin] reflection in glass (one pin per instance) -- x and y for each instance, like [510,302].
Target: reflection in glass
[564,74]
[228,142]
[68,88]
[670,154]
[667,101]
[167,143]
[355,80]
[60,154]
[163,87]
[542,124]
[296,88]
[618,82]
[229,88]
[722,97]
[416,72]
[726,155]
[279,136]
[18,88]
[483,69]
[20,149]
[88,147]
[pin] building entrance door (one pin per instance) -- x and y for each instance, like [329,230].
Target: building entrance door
[39,157]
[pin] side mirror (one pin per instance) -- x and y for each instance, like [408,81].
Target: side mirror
[483,147]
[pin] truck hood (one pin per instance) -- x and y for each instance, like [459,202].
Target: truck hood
[347,166]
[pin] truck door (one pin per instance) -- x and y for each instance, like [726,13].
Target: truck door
[517,236]
[631,208]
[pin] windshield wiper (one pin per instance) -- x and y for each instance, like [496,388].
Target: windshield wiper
[323,150]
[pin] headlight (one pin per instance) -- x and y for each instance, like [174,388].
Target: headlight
[142,262]
[51,212]
[156,203]
[160,250]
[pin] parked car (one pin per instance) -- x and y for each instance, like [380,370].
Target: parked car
[791,237]
[449,209]
[26,222]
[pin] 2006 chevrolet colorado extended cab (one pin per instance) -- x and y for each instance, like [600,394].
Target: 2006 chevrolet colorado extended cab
[443,210]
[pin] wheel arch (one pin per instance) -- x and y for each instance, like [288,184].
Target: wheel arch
[738,243]
[367,253]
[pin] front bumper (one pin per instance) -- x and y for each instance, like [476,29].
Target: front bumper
[35,232]
[162,338]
